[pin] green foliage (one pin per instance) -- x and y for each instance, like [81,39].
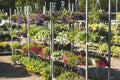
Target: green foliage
[62,38]
[71,36]
[71,60]
[115,51]
[3,44]
[36,66]
[116,39]
[31,3]
[57,55]
[60,28]
[46,51]
[6,4]
[103,4]
[4,47]
[43,35]
[93,37]
[80,37]
[13,33]
[32,32]
[16,57]
[103,48]
[26,46]
[66,76]
[82,5]
[3,16]
[23,60]
[57,70]
[45,72]
[15,46]
[39,33]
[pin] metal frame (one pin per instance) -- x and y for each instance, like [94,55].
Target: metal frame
[86,26]
[52,39]
[28,28]
[109,39]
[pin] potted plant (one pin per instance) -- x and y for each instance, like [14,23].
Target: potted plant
[15,46]
[46,51]
[57,55]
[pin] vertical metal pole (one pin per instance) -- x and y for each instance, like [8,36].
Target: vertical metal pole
[18,13]
[116,11]
[109,37]
[86,40]
[116,8]
[72,8]
[20,9]
[28,27]
[10,12]
[52,40]
[116,16]
[69,6]
[76,5]
[72,28]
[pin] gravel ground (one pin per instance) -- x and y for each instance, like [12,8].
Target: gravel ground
[16,72]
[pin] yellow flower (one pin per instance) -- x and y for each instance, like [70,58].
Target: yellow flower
[94,26]
[118,16]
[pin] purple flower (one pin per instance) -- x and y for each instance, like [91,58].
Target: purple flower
[29,20]
[14,19]
[39,19]
[20,19]
[46,18]
[64,19]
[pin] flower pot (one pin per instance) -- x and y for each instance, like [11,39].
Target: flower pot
[93,62]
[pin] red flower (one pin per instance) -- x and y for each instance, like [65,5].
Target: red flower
[35,49]
[98,63]
[43,56]
[101,63]
[64,58]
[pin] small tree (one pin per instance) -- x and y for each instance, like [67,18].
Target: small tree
[31,3]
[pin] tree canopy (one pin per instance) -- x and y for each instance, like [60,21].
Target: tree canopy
[103,4]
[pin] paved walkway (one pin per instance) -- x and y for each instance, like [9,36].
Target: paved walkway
[10,72]
[115,71]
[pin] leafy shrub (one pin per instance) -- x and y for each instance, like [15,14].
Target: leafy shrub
[45,72]
[103,48]
[3,16]
[115,51]
[3,44]
[15,46]
[16,57]
[57,70]
[13,33]
[57,55]
[46,51]
[36,66]
[67,76]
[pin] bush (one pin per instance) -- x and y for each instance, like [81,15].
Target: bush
[16,57]
[67,76]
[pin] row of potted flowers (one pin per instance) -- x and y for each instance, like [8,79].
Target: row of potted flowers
[67,57]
